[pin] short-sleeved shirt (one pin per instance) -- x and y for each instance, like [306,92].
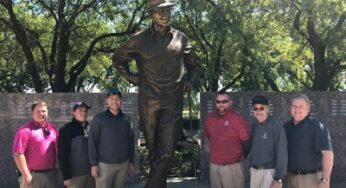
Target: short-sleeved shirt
[226,134]
[269,146]
[39,149]
[305,141]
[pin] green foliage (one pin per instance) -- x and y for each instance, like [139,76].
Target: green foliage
[64,46]
[184,163]
[13,75]
[242,45]
[144,162]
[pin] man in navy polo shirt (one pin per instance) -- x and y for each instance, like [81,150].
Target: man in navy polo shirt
[310,154]
[111,144]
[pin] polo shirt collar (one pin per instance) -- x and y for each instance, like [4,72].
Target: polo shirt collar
[307,118]
[44,124]
[265,122]
[109,113]
[229,112]
[154,32]
[74,121]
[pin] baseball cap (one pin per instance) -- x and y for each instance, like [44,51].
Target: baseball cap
[80,104]
[114,91]
[260,99]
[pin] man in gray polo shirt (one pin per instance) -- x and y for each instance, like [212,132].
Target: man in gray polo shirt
[111,144]
[268,155]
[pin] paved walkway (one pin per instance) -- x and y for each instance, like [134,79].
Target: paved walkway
[175,183]
[195,183]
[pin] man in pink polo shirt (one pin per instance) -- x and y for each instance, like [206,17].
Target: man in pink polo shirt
[35,150]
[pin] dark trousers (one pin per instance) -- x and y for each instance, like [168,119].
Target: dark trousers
[160,123]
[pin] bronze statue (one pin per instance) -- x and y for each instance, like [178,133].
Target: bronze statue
[161,53]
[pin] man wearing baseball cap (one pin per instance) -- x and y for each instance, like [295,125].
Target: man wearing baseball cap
[162,54]
[73,149]
[111,144]
[268,155]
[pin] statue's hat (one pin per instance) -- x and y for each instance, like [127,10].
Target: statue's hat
[159,3]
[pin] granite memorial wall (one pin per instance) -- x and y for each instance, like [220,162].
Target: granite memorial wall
[328,107]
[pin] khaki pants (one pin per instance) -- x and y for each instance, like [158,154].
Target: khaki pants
[86,181]
[303,181]
[42,180]
[261,178]
[112,175]
[227,176]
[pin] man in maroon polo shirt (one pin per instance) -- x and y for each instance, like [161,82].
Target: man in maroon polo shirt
[228,137]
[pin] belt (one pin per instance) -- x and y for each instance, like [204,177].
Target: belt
[260,167]
[40,171]
[33,171]
[304,172]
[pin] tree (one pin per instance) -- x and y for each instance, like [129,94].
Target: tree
[213,35]
[321,24]
[261,48]
[280,45]
[58,38]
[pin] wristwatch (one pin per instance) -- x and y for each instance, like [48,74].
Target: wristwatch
[324,180]
[279,180]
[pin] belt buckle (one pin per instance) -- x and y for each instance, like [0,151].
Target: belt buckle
[258,167]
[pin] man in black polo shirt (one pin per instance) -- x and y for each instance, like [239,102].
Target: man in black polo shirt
[310,154]
[73,149]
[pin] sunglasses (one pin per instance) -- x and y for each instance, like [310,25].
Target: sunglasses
[223,101]
[258,109]
[46,131]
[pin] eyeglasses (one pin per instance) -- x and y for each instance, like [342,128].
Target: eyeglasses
[223,101]
[46,131]
[258,109]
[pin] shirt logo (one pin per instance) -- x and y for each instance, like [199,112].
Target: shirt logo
[227,123]
[265,136]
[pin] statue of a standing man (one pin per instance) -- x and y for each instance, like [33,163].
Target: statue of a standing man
[161,54]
